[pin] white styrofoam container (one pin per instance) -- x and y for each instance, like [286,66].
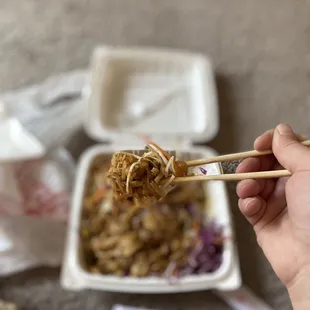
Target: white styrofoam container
[169,129]
[127,78]
[76,277]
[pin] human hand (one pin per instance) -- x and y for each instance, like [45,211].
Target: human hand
[279,210]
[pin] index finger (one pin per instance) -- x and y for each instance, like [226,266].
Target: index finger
[264,142]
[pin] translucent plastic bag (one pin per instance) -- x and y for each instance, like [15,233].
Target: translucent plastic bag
[36,171]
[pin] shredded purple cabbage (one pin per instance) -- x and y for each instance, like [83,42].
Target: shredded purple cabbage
[207,255]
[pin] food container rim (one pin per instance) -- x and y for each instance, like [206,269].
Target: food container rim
[229,270]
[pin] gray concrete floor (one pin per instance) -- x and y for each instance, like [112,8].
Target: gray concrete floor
[261,54]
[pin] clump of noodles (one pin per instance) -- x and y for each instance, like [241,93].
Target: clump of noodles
[142,177]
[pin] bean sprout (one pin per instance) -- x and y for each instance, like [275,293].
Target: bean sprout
[146,176]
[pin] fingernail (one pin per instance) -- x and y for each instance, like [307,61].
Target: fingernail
[284,129]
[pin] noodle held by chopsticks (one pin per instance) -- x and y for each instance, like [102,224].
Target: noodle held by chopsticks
[149,175]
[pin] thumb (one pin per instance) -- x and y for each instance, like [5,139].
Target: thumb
[292,155]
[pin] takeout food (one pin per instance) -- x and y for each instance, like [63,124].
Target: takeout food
[146,176]
[169,238]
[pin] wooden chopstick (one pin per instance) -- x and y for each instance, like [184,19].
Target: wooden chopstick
[235,176]
[229,157]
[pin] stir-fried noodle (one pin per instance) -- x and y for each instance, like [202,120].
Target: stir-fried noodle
[149,175]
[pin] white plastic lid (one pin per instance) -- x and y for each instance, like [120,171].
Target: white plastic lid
[165,95]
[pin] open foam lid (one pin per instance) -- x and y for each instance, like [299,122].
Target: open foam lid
[165,95]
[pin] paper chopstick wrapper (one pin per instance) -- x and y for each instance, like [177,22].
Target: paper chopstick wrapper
[210,169]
